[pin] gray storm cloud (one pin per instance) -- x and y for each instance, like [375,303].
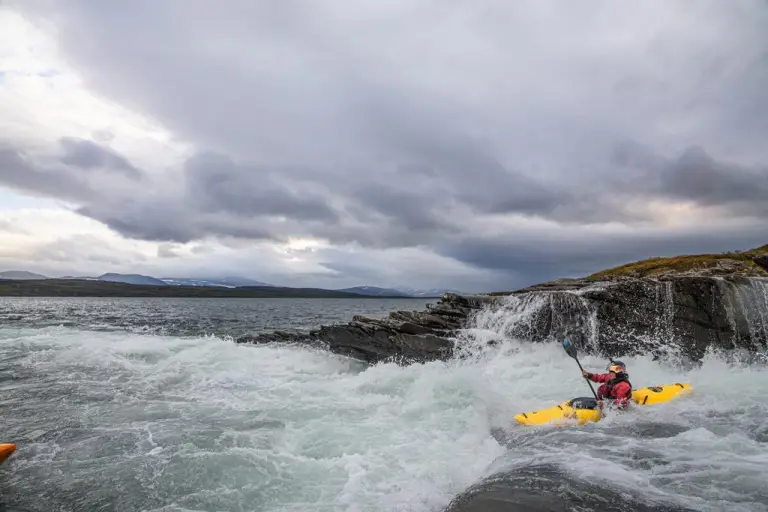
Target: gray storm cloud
[406,123]
[85,154]
[81,170]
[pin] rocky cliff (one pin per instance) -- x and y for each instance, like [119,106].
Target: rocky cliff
[683,314]
[724,306]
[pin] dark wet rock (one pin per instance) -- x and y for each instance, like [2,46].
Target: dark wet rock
[761,261]
[641,315]
[402,336]
[275,336]
[544,487]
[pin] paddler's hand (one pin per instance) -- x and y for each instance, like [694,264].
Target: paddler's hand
[585,373]
[600,404]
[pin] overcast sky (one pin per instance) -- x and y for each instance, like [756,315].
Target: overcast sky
[474,145]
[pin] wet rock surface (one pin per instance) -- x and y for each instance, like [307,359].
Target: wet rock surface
[688,313]
[761,261]
[544,487]
[621,316]
[403,336]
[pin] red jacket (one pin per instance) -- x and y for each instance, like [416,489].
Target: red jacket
[621,392]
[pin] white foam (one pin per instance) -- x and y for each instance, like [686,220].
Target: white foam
[213,424]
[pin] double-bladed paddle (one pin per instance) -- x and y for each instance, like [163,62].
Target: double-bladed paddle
[571,350]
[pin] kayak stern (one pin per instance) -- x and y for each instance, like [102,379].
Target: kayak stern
[579,410]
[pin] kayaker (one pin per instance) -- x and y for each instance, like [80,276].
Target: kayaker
[615,384]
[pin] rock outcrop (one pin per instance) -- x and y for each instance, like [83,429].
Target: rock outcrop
[667,315]
[683,313]
[761,261]
[545,487]
[403,336]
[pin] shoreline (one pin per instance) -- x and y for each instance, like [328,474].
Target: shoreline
[82,288]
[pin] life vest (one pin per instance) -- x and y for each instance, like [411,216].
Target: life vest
[611,383]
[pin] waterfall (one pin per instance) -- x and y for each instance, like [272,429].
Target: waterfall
[666,325]
[746,305]
[677,317]
[543,316]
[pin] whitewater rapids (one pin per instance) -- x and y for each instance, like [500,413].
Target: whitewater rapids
[125,421]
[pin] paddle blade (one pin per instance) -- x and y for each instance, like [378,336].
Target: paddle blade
[570,349]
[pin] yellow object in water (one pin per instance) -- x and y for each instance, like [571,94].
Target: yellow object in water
[583,409]
[657,394]
[6,449]
[579,410]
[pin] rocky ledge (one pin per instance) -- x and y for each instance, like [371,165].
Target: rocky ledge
[681,315]
[402,336]
[761,261]
[723,306]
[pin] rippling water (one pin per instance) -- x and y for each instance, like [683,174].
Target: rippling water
[192,316]
[147,405]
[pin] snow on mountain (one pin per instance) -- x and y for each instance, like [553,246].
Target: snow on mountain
[398,292]
[375,291]
[130,279]
[434,292]
[225,282]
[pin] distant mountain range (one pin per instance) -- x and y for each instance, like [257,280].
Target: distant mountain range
[223,282]
[21,275]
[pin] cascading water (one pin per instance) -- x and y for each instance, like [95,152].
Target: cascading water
[542,316]
[747,307]
[666,302]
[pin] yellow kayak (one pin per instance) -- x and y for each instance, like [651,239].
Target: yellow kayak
[583,409]
[6,450]
[658,394]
